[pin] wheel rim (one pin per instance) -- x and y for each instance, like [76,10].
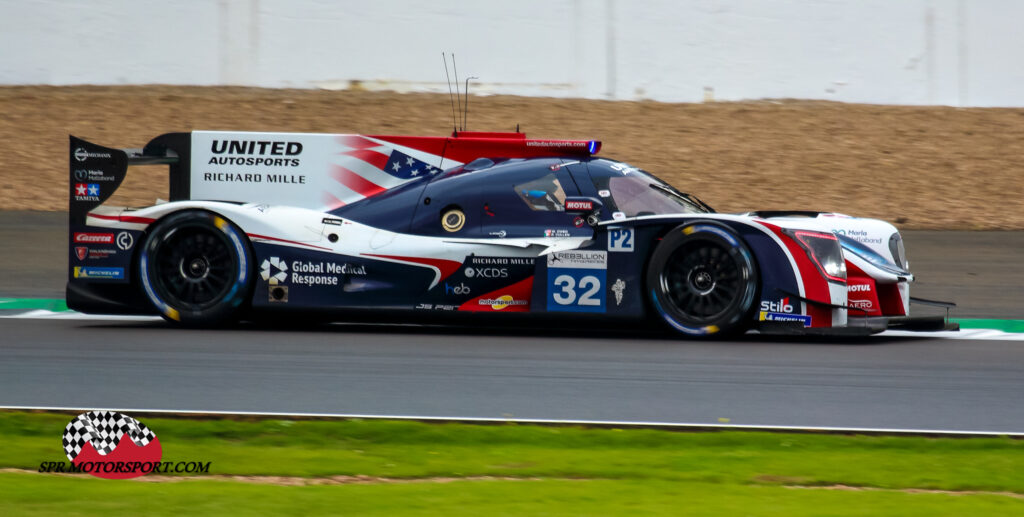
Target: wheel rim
[194,267]
[702,280]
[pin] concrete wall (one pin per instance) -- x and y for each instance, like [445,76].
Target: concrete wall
[954,52]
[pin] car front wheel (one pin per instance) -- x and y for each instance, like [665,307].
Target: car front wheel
[702,280]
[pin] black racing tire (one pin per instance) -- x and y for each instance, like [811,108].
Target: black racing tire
[196,268]
[702,281]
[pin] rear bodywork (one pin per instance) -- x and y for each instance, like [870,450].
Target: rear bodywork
[344,223]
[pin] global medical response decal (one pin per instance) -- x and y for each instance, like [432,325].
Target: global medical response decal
[577,280]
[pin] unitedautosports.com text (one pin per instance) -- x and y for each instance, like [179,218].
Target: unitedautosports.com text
[126,467]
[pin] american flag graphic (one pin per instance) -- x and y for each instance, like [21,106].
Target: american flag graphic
[366,167]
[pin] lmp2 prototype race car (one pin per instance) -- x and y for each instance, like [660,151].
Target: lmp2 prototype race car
[350,225]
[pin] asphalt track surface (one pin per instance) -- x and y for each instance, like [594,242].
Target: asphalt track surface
[631,375]
[894,383]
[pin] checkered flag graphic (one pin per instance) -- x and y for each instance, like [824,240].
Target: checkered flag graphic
[104,430]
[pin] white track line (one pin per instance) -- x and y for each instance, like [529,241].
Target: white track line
[542,421]
[980,334]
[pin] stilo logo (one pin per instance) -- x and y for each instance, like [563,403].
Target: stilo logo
[779,306]
[111,445]
[267,270]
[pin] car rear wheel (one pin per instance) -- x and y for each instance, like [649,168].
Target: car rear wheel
[196,269]
[702,281]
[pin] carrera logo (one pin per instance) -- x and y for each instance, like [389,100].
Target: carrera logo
[782,306]
[94,238]
[859,288]
[579,205]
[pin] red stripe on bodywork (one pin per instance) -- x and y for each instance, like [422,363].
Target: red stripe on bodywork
[356,142]
[357,183]
[269,238]
[124,218]
[815,285]
[378,160]
[330,202]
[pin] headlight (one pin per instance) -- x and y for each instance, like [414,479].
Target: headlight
[823,249]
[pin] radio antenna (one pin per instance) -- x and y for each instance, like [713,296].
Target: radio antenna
[456,70]
[465,111]
[450,96]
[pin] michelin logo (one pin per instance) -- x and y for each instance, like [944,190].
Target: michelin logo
[778,316]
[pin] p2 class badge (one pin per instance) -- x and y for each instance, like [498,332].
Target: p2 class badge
[620,239]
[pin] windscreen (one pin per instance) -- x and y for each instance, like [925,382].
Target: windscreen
[635,192]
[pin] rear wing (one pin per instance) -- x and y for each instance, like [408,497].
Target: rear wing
[96,172]
[309,170]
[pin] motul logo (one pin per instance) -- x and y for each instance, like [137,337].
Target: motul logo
[854,288]
[579,205]
[95,238]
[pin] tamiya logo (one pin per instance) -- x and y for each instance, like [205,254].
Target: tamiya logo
[579,205]
[457,289]
[620,239]
[859,288]
[274,270]
[87,191]
[779,306]
[94,238]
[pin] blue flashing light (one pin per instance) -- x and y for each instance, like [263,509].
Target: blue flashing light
[592,146]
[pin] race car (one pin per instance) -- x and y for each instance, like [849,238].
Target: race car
[349,226]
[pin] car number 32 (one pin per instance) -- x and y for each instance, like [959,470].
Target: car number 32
[576,290]
[590,285]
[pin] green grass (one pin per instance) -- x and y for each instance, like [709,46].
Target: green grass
[581,471]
